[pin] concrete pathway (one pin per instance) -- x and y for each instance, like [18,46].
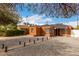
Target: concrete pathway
[56,46]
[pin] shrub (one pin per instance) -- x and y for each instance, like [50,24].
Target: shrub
[2,33]
[14,32]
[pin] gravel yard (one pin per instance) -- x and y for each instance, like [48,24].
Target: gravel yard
[55,46]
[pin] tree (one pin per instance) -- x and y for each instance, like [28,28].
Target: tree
[8,14]
[8,17]
[8,11]
[64,10]
[54,9]
[49,9]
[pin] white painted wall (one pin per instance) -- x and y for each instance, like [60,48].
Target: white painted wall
[74,33]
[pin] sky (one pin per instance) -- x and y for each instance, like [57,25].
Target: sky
[28,16]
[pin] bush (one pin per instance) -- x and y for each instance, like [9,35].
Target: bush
[14,32]
[2,33]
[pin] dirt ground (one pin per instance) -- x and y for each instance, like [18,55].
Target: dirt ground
[55,46]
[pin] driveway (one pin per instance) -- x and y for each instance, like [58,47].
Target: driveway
[55,46]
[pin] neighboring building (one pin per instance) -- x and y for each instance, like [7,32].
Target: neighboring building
[47,30]
[61,30]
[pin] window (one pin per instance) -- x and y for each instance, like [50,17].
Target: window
[47,30]
[32,29]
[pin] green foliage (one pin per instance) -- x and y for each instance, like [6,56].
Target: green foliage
[8,27]
[8,14]
[10,30]
[14,32]
[77,28]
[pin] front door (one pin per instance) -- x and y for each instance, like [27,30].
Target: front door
[57,32]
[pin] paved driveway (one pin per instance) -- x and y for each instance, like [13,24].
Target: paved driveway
[55,46]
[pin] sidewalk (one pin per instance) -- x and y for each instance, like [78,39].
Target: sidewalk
[13,37]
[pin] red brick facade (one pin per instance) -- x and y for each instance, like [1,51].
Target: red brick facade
[47,30]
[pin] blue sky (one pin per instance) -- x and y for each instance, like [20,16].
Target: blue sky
[28,16]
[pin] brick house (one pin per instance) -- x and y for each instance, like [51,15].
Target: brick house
[62,30]
[35,30]
[48,30]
